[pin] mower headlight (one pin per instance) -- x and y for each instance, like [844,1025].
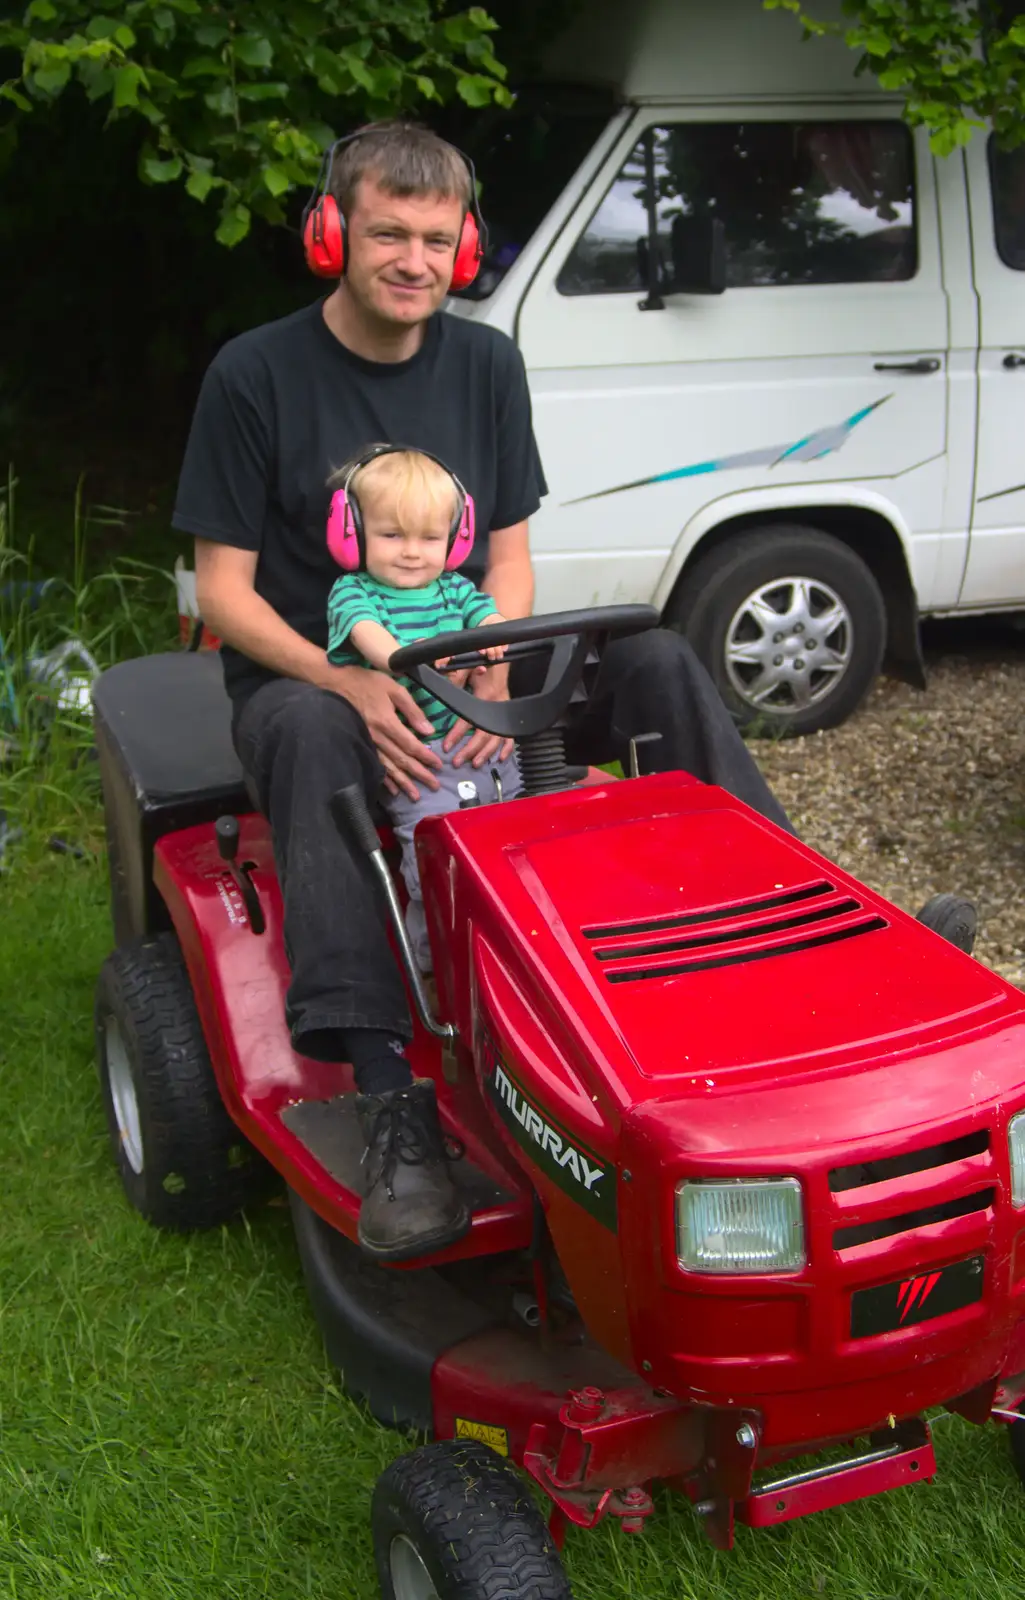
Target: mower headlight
[1016,1147]
[741,1225]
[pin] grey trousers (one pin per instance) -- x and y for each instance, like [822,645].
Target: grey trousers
[405,814]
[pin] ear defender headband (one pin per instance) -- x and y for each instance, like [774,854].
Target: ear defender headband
[346,538]
[324,232]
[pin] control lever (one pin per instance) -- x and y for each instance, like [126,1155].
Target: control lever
[639,738]
[226,830]
[352,818]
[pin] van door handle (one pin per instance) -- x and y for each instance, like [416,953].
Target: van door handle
[1011,360]
[923,364]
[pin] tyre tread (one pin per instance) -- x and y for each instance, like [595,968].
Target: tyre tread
[473,1508]
[187,1131]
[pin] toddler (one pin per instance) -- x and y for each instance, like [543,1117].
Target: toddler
[399,523]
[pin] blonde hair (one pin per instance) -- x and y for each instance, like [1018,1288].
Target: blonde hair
[405,484]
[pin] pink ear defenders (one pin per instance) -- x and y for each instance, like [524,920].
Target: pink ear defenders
[345,536]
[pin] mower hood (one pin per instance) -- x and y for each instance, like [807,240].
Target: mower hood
[719,948]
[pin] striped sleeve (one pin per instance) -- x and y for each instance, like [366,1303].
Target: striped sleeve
[474,606]
[348,603]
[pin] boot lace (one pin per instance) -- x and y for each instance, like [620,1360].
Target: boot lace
[402,1133]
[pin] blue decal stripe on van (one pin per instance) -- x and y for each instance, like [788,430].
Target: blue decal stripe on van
[812,448]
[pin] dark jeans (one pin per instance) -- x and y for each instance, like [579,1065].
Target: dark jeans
[298,745]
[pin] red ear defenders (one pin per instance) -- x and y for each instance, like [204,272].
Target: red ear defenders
[324,227]
[346,539]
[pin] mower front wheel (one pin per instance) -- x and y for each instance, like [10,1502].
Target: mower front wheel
[182,1162]
[453,1521]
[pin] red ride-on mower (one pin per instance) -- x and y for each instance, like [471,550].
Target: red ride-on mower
[744,1144]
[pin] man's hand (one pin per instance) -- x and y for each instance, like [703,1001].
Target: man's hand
[379,700]
[481,747]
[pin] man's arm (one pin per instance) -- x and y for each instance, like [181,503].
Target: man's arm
[230,606]
[232,609]
[509,578]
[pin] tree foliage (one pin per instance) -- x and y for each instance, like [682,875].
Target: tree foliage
[958,63]
[238,99]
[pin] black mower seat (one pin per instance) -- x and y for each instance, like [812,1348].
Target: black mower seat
[163,734]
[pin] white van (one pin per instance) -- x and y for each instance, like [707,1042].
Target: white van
[808,430]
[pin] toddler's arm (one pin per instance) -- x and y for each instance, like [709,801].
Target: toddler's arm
[374,643]
[494,652]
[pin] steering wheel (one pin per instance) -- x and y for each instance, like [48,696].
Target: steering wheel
[568,636]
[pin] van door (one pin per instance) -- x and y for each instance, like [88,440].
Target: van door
[995,574]
[824,360]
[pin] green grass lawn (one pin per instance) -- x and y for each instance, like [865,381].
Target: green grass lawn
[170,1429]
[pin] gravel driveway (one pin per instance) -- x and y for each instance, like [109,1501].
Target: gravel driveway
[920,793]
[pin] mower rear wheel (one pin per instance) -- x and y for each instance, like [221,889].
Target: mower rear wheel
[183,1164]
[453,1521]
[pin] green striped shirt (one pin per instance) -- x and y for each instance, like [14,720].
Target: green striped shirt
[448,604]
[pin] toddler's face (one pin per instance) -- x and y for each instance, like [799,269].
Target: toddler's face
[404,558]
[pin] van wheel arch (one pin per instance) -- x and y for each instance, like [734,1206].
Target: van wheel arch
[871,537]
[883,595]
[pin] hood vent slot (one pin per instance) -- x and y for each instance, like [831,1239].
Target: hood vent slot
[883,1168]
[695,919]
[867,1232]
[726,936]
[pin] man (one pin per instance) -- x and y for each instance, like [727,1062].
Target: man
[280,409]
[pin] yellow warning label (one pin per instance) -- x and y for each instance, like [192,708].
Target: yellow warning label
[486,1432]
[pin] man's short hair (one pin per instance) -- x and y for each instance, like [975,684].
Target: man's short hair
[404,159]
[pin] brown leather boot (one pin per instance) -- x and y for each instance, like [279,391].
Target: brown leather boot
[410,1206]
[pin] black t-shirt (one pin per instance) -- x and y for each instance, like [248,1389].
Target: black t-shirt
[285,405]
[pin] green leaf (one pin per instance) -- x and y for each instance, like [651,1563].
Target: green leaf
[51,80]
[156,170]
[262,91]
[205,67]
[127,82]
[426,87]
[41,11]
[221,101]
[199,184]
[233,226]
[124,36]
[253,51]
[9,92]
[211,35]
[101,27]
[276,179]
[475,90]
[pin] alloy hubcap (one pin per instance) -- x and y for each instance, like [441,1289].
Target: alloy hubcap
[123,1096]
[410,1579]
[789,645]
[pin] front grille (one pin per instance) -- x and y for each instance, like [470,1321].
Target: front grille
[861,1174]
[886,1227]
[728,935]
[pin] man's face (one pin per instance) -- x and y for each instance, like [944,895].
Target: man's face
[401,252]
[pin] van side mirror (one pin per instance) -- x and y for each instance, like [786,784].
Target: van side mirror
[698,249]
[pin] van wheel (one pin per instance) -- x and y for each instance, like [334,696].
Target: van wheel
[790,624]
[182,1162]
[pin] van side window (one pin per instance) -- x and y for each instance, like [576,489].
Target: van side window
[1007,181]
[802,202]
